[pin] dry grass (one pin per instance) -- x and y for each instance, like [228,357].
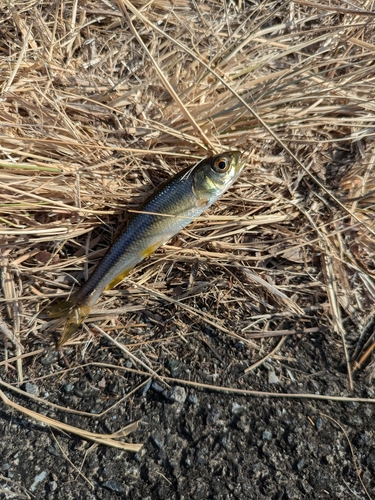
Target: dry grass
[95,111]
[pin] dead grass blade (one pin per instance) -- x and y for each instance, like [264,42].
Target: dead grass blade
[71,463]
[103,439]
[269,355]
[10,335]
[273,290]
[334,8]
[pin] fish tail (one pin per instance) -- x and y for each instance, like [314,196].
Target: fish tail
[72,313]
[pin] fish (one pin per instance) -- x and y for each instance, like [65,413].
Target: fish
[166,212]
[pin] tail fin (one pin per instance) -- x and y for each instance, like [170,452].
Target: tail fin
[72,313]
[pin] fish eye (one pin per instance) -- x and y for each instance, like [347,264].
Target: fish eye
[221,164]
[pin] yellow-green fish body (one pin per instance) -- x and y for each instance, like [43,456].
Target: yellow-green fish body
[164,214]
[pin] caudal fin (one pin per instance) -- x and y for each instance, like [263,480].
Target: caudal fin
[72,313]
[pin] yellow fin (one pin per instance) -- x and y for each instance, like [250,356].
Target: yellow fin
[151,249]
[117,280]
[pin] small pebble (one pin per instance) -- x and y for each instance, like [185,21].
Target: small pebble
[272,377]
[53,451]
[157,442]
[102,383]
[114,485]
[138,457]
[68,388]
[239,345]
[176,394]
[96,410]
[175,367]
[38,479]
[300,463]
[157,387]
[352,404]
[49,358]
[146,388]
[52,485]
[236,408]
[267,435]
[193,399]
[318,424]
[31,389]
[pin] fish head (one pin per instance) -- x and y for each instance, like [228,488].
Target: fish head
[214,175]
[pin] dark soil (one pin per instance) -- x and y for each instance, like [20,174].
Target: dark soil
[197,444]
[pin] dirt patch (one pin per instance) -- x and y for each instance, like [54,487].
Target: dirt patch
[197,443]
